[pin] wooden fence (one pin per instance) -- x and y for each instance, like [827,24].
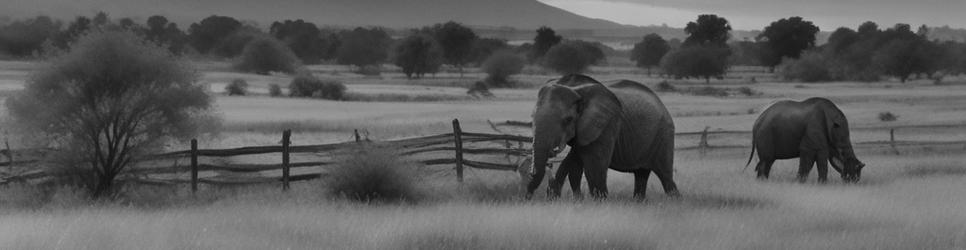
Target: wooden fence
[441,149]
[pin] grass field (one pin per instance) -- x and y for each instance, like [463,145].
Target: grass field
[908,201]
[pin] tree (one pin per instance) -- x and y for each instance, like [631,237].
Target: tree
[545,39]
[303,38]
[234,44]
[111,99]
[160,31]
[649,51]
[417,55]
[704,52]
[266,54]
[500,66]
[708,30]
[696,61]
[206,34]
[906,53]
[456,41]
[568,58]
[592,50]
[483,48]
[362,47]
[26,37]
[787,37]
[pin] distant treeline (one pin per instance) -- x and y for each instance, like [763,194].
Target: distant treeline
[788,44]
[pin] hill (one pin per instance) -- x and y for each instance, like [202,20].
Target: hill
[522,14]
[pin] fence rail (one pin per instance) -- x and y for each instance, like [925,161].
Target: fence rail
[460,143]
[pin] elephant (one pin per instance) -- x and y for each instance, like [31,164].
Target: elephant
[621,125]
[814,130]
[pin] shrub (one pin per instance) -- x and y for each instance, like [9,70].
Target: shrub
[748,91]
[274,90]
[887,116]
[266,54]
[708,91]
[500,66]
[373,174]
[664,86]
[306,85]
[237,87]
[810,67]
[152,97]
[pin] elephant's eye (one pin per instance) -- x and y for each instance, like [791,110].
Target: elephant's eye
[835,125]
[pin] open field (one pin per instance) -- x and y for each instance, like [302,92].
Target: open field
[908,201]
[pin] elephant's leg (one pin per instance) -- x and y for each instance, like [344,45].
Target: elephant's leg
[764,168]
[821,162]
[640,183]
[576,175]
[667,181]
[595,169]
[805,162]
[566,167]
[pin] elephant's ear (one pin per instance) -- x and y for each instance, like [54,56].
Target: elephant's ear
[598,107]
[817,130]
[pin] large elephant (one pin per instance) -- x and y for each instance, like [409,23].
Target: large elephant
[621,125]
[815,130]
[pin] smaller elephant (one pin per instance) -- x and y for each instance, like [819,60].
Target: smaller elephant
[815,131]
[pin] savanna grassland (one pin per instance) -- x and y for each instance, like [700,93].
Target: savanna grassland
[913,200]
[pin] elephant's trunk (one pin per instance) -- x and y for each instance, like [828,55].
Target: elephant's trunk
[541,151]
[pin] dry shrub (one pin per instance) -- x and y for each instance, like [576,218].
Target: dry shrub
[664,86]
[373,174]
[274,90]
[237,87]
[887,116]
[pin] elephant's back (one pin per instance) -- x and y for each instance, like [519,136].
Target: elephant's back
[634,95]
[783,123]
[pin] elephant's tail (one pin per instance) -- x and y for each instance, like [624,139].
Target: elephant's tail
[752,155]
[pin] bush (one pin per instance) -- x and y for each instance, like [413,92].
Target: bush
[237,87]
[887,116]
[810,67]
[373,174]
[274,90]
[664,86]
[708,91]
[748,91]
[266,54]
[500,66]
[306,85]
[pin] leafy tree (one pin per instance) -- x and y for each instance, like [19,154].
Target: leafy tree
[160,31]
[456,41]
[417,55]
[704,52]
[304,38]
[110,100]
[75,29]
[266,54]
[208,33]
[841,39]
[649,51]
[100,19]
[568,58]
[593,50]
[501,65]
[483,48]
[545,39]
[363,47]
[746,53]
[26,37]
[234,44]
[787,37]
[708,30]
[906,53]
[696,61]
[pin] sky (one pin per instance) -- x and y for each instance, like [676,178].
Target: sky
[756,14]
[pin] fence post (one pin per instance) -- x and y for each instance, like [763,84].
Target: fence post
[458,136]
[356,132]
[9,152]
[194,165]
[286,140]
[892,140]
[703,144]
